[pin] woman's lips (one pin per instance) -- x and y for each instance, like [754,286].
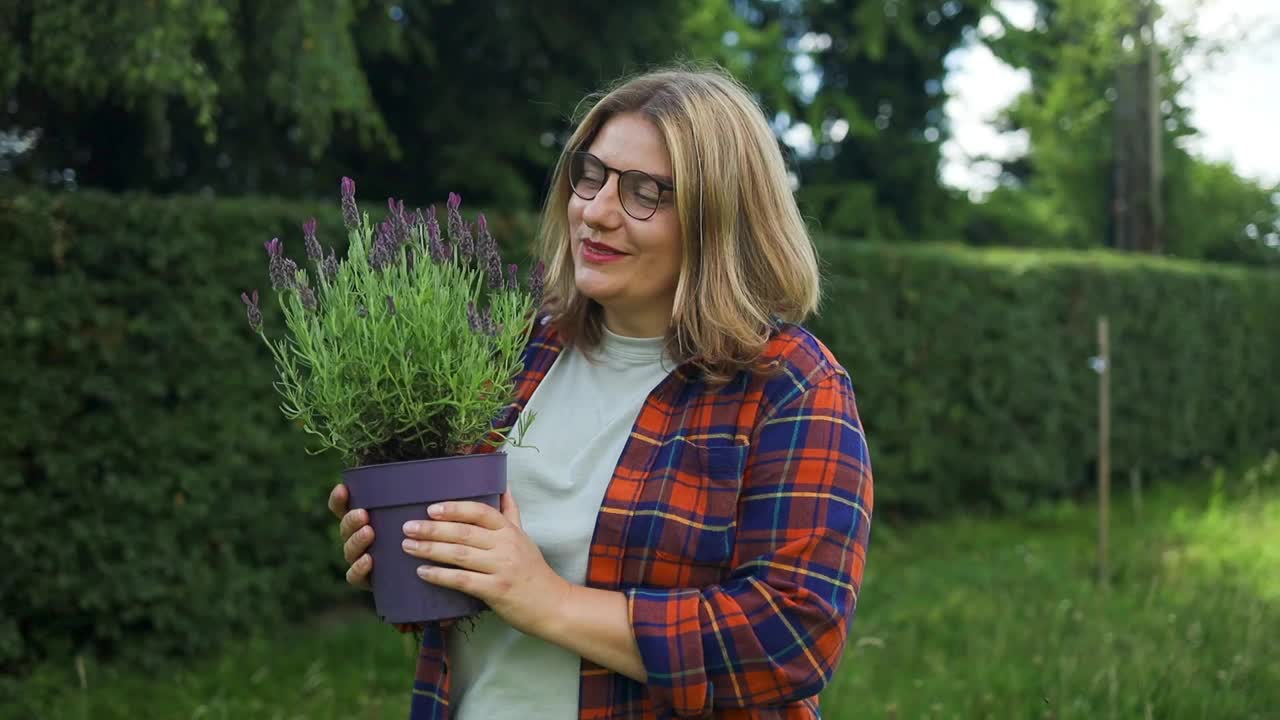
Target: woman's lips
[595,252]
[601,247]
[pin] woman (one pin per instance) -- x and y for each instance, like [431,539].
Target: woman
[693,516]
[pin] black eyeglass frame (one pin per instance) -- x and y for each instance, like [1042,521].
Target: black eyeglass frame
[662,186]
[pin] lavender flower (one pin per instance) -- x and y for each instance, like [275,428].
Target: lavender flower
[383,244]
[481,321]
[252,310]
[399,222]
[330,266]
[459,235]
[487,251]
[490,327]
[309,240]
[439,251]
[536,280]
[382,254]
[350,214]
[281,269]
[466,244]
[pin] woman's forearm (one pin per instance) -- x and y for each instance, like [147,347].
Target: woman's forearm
[596,625]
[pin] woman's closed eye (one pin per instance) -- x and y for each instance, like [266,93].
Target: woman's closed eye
[646,199]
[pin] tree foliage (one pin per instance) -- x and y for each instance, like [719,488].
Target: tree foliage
[1061,193]
[422,97]
[869,86]
[123,92]
[284,97]
[441,95]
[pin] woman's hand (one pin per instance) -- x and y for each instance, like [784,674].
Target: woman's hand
[357,537]
[495,561]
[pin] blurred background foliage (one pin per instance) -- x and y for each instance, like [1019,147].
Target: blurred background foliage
[147,148]
[422,97]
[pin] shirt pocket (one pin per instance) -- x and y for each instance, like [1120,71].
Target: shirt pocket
[687,511]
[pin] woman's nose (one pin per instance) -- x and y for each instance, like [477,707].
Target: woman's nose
[606,207]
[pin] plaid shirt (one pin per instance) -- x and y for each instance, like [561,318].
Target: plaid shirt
[737,524]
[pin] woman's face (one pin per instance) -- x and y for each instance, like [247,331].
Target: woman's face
[629,266]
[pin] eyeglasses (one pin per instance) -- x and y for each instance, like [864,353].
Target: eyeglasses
[639,191]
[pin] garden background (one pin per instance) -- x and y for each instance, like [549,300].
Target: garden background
[168,550]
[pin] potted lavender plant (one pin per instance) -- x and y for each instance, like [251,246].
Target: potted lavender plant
[402,358]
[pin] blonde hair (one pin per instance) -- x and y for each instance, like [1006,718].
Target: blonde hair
[748,259]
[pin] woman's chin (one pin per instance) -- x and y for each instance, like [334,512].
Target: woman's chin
[591,287]
[599,297]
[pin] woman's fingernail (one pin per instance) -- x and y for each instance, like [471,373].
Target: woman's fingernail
[411,527]
[409,545]
[436,510]
[423,571]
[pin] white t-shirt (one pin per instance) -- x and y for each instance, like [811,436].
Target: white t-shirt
[585,412]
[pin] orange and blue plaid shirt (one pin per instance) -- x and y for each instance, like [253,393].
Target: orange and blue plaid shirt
[736,522]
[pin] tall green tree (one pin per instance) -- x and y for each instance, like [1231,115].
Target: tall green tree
[1061,192]
[415,96]
[120,93]
[868,83]
[480,97]
[1215,214]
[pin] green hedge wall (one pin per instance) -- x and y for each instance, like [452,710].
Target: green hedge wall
[973,371]
[157,502]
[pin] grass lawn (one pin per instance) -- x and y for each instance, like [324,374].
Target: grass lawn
[964,618]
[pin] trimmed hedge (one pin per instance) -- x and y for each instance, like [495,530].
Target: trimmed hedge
[973,367]
[157,502]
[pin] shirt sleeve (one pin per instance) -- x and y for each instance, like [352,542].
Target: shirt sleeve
[774,630]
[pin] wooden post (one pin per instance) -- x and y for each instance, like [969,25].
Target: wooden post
[1104,446]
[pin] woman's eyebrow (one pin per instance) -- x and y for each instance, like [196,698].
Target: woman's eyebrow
[656,176]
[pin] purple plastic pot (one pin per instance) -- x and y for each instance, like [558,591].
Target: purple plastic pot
[394,493]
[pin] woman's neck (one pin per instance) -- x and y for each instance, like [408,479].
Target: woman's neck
[647,323]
